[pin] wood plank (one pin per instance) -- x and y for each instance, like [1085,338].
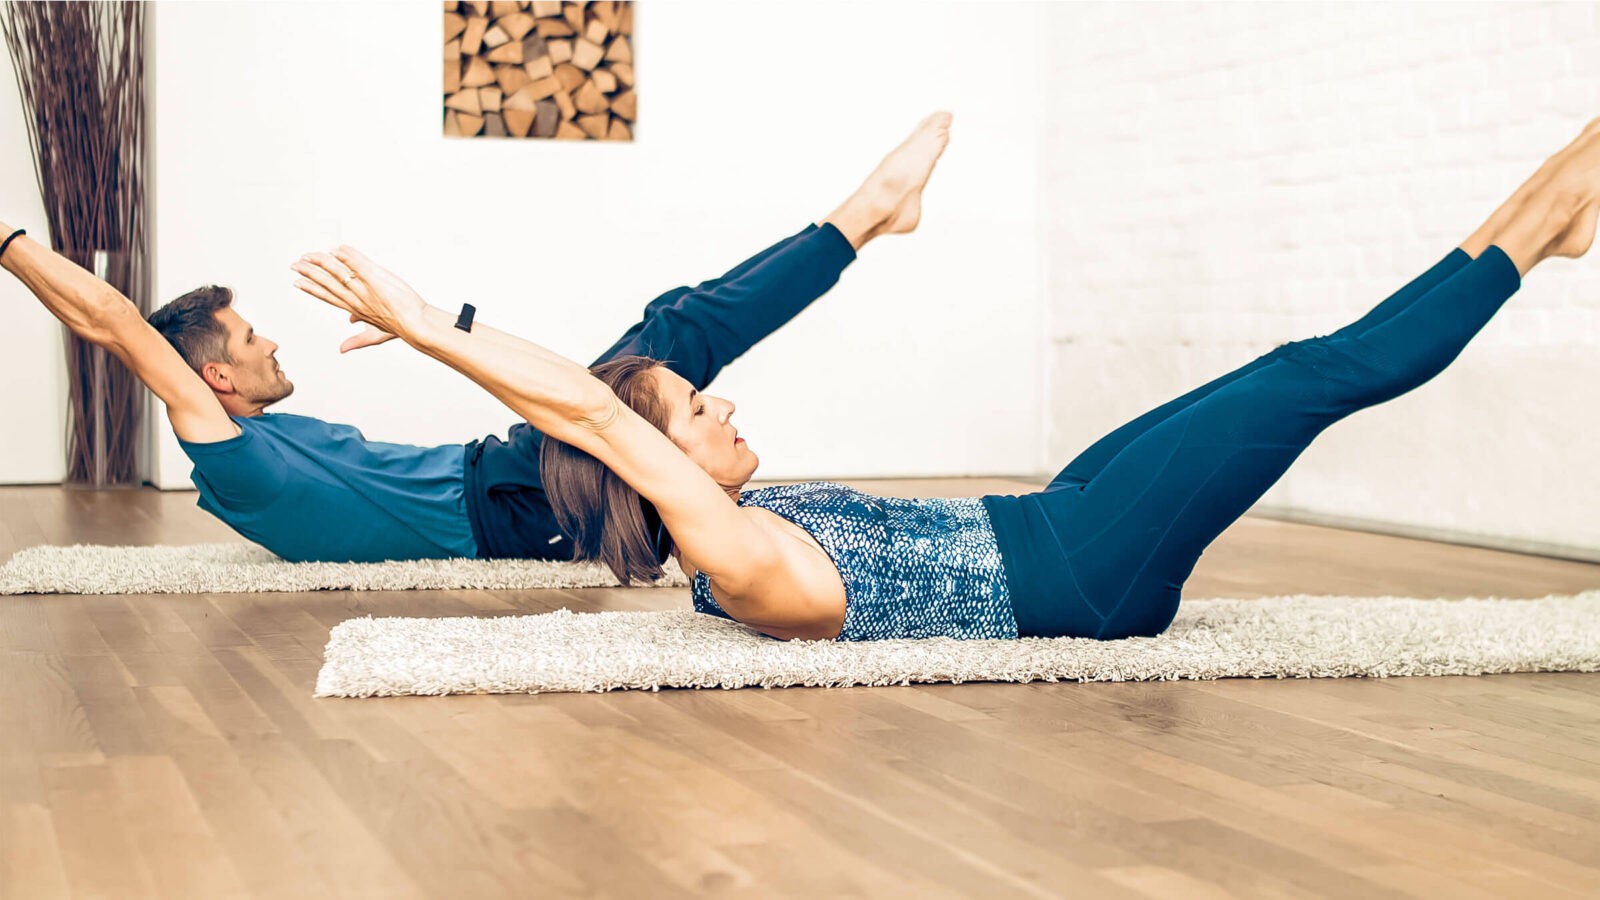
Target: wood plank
[169,746]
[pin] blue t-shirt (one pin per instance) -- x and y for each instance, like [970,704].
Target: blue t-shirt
[312,490]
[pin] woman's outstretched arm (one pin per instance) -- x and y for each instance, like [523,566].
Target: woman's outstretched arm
[562,399]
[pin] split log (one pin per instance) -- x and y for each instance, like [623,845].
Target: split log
[472,35]
[532,93]
[588,99]
[626,105]
[570,76]
[564,102]
[511,78]
[586,55]
[509,52]
[516,25]
[549,28]
[545,87]
[546,120]
[593,126]
[478,74]
[538,68]
[466,101]
[518,121]
[533,47]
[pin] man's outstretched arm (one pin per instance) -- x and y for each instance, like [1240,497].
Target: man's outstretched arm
[100,314]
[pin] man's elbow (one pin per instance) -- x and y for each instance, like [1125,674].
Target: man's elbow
[111,318]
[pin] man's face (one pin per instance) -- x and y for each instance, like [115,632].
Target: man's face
[254,374]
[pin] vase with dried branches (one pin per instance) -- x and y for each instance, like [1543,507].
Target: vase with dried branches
[80,72]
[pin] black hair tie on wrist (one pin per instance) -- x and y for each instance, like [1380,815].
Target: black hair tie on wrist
[14,235]
[464,321]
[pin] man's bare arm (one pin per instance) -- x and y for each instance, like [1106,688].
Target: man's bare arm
[100,314]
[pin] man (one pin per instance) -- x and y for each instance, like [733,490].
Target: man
[307,489]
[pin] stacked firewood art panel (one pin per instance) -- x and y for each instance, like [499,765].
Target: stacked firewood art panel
[539,69]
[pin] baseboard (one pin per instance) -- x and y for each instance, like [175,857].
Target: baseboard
[1445,535]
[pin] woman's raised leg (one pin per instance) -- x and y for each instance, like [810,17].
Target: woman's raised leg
[1519,236]
[1129,537]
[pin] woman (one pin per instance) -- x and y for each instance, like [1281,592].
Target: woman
[1102,552]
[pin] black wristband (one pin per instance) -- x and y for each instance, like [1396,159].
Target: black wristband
[7,242]
[464,321]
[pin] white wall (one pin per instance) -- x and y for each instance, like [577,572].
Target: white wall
[285,127]
[33,402]
[1221,178]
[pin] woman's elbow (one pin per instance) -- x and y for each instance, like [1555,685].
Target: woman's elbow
[598,410]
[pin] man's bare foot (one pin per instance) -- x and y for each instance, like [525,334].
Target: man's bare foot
[904,172]
[890,200]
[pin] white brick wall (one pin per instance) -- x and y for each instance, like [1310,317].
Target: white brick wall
[1219,178]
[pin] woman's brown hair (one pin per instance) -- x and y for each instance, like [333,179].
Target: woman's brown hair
[607,519]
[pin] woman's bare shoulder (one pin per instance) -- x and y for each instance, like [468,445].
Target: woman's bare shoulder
[802,597]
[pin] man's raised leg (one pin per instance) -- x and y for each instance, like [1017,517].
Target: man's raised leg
[700,330]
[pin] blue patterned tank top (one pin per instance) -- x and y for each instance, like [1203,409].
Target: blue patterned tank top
[911,568]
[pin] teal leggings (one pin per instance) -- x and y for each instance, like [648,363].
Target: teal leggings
[1104,550]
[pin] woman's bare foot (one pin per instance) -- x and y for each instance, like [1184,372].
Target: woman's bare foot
[1556,221]
[890,200]
[1578,237]
[1579,153]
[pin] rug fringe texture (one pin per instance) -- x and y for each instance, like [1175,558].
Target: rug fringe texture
[235,568]
[1281,637]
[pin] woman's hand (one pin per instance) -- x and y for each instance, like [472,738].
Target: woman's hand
[368,292]
[371,337]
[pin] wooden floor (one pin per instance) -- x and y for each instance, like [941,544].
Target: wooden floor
[169,746]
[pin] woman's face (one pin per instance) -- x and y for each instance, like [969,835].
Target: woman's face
[699,424]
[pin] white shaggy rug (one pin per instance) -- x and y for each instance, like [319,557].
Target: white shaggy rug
[234,568]
[1282,637]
